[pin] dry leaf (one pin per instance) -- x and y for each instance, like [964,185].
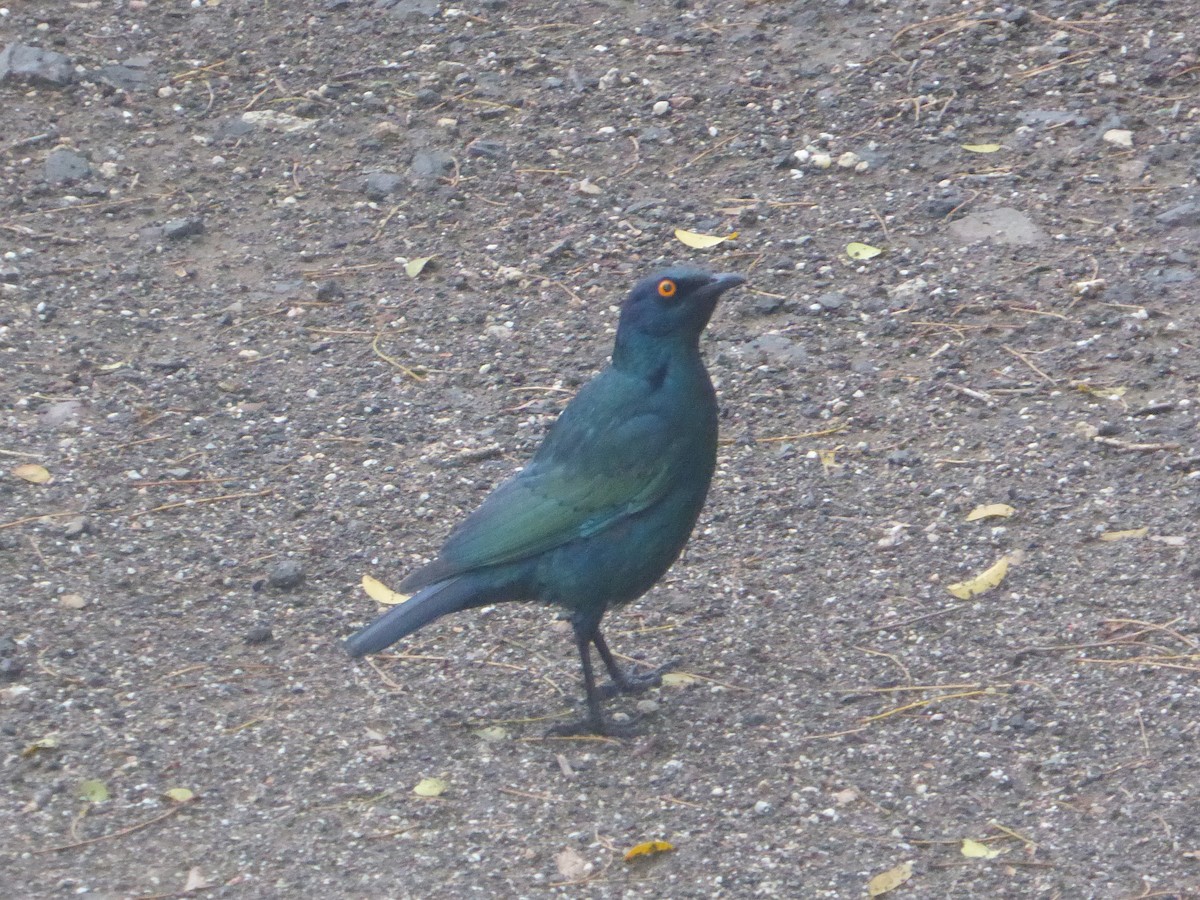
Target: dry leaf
[381,593]
[889,880]
[990,511]
[678,679]
[179,795]
[701,241]
[981,148]
[1171,540]
[855,250]
[491,733]
[845,796]
[648,848]
[981,583]
[195,880]
[430,787]
[72,601]
[414,267]
[1131,534]
[975,850]
[32,472]
[571,865]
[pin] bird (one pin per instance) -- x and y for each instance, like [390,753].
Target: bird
[607,502]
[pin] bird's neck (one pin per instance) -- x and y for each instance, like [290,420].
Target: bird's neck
[647,355]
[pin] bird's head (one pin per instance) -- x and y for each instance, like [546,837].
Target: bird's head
[673,303]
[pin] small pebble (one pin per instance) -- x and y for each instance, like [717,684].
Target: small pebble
[286,575]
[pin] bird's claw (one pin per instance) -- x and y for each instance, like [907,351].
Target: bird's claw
[636,683]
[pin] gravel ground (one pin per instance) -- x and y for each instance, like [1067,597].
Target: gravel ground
[214,340]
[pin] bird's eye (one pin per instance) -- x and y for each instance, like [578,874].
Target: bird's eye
[667,288]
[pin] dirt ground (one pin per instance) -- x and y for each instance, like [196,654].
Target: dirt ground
[212,339]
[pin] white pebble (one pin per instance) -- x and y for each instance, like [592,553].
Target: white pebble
[848,160]
[822,160]
[1119,137]
[661,108]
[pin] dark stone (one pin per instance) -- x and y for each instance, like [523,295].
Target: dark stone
[232,129]
[287,575]
[430,164]
[123,78]
[66,166]
[1183,214]
[776,348]
[330,290]
[35,66]
[259,634]
[411,10]
[487,149]
[381,185]
[939,207]
[903,458]
[11,669]
[178,229]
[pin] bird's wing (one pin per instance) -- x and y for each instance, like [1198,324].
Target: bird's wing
[582,481]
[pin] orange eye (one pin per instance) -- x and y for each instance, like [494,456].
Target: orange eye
[667,288]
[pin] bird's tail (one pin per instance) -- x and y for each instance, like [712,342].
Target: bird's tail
[417,611]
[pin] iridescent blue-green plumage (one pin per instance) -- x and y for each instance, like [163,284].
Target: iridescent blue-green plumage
[609,499]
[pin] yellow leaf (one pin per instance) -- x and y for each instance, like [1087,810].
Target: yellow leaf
[1132,534]
[1105,393]
[981,583]
[110,367]
[990,511]
[678,679]
[828,460]
[701,241]
[179,795]
[93,790]
[430,787]
[975,850]
[647,848]
[32,472]
[855,250]
[381,593]
[413,267]
[49,742]
[889,880]
[981,148]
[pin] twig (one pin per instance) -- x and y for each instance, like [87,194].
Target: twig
[57,515]
[1025,359]
[981,396]
[392,361]
[1130,447]
[917,704]
[198,501]
[115,834]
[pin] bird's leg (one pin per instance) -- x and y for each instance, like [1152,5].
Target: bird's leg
[594,723]
[623,682]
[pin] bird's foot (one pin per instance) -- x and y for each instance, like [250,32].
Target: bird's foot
[629,683]
[589,727]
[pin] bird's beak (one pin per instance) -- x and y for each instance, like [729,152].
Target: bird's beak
[719,284]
